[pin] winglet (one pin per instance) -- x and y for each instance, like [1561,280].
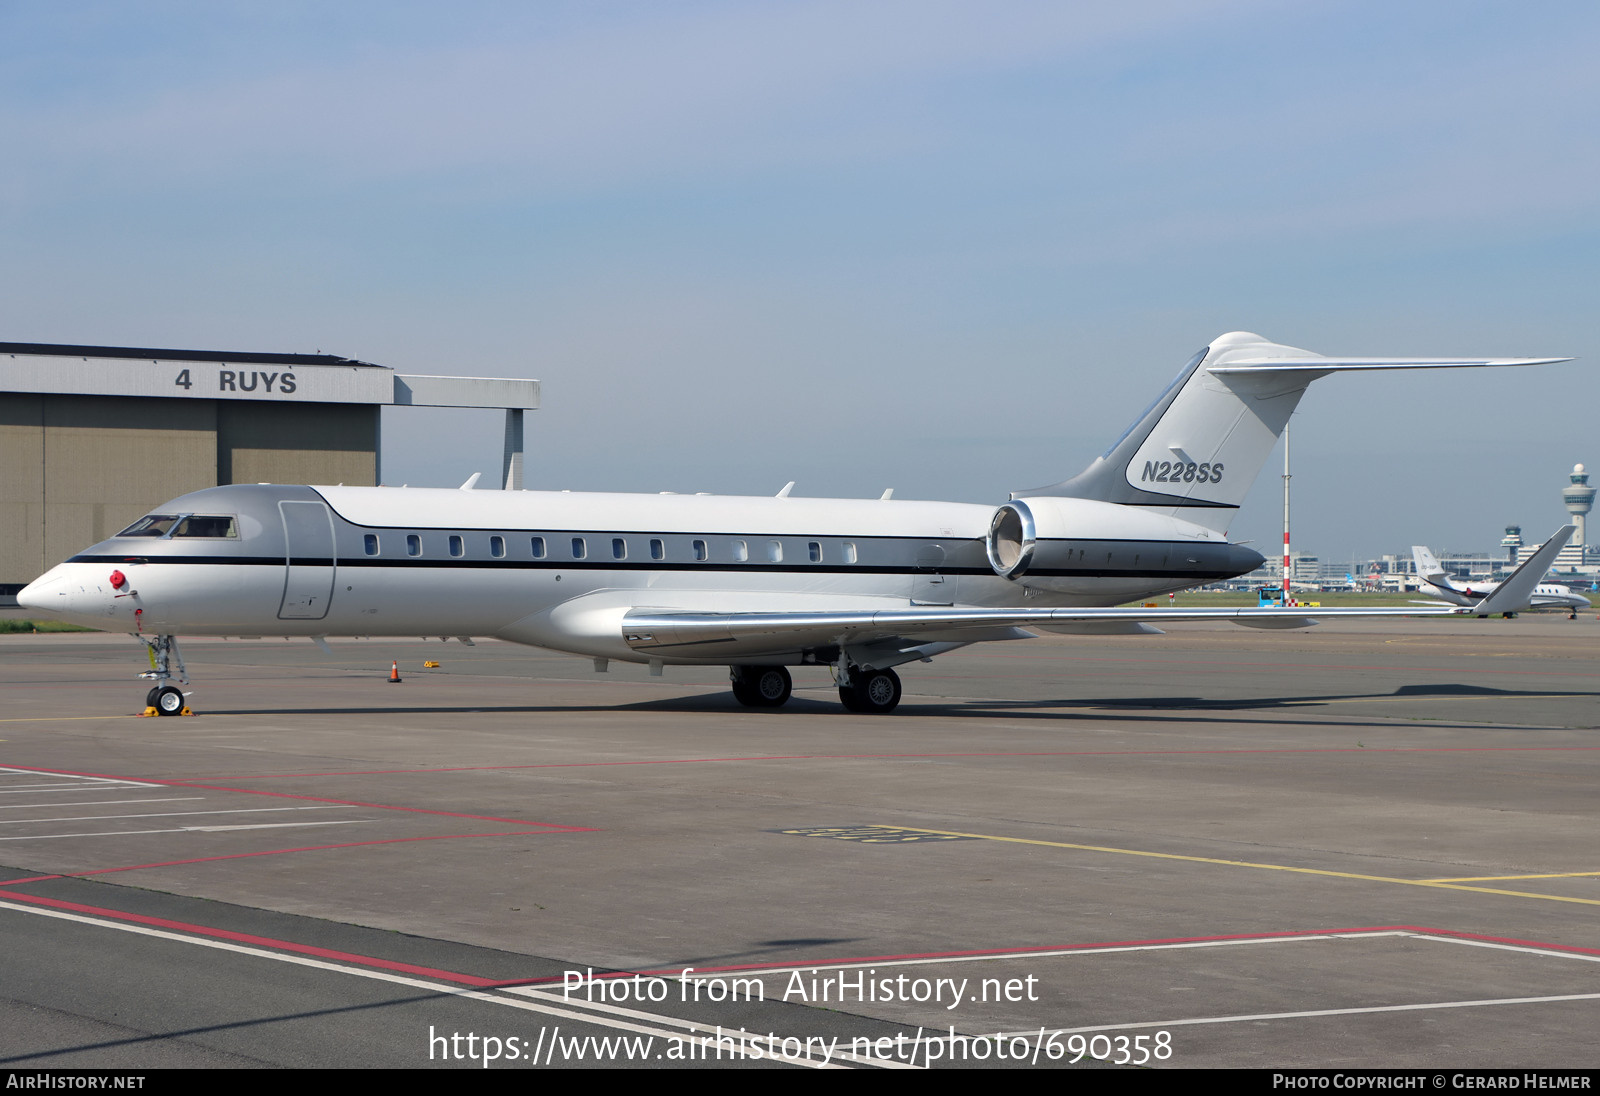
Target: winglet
[1516,593]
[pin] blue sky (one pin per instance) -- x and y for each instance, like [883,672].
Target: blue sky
[948,248]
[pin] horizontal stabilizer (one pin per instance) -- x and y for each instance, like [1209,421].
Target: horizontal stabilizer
[1341,365]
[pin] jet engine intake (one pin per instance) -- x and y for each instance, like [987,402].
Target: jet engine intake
[1011,540]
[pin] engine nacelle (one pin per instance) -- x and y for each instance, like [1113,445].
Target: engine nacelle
[1012,540]
[1042,542]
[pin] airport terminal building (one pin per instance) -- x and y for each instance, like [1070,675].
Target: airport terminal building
[91,437]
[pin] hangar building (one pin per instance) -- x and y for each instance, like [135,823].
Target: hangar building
[92,436]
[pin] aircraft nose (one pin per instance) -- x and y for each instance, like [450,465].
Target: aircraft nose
[39,594]
[67,593]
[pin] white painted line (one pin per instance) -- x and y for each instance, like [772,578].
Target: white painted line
[375,975]
[275,825]
[97,803]
[1529,949]
[77,786]
[170,814]
[188,829]
[73,779]
[687,1025]
[1420,1007]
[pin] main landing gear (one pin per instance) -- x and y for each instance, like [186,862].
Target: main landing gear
[761,686]
[164,698]
[871,692]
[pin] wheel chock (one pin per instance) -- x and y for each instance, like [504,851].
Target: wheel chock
[430,665]
[187,710]
[148,712]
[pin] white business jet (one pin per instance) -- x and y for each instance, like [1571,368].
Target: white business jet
[858,586]
[1546,595]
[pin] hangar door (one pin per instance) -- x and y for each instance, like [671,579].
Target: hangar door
[308,586]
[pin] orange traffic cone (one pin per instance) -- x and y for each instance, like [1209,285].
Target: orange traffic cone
[394,673]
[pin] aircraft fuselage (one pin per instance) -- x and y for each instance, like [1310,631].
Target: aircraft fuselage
[560,569]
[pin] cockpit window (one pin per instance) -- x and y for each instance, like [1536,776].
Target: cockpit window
[207,525]
[151,525]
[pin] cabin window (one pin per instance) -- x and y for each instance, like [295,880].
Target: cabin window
[413,544]
[207,525]
[151,525]
[849,551]
[658,550]
[775,551]
[579,549]
[457,546]
[619,548]
[814,550]
[537,544]
[701,552]
[371,542]
[741,551]
[497,547]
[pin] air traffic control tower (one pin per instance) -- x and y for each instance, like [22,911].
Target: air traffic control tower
[91,437]
[1579,498]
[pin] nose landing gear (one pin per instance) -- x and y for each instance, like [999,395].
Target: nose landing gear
[164,698]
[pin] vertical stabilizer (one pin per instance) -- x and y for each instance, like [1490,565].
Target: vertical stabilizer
[1427,566]
[1196,450]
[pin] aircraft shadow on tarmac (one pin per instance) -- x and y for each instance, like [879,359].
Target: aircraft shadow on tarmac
[1041,707]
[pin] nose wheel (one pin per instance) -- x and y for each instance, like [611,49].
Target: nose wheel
[165,699]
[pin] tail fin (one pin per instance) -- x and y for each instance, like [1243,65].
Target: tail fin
[1427,566]
[1197,449]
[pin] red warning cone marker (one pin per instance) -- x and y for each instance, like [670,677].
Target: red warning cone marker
[394,673]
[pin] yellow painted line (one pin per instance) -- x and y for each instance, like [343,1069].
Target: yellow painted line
[1492,878]
[1272,867]
[66,718]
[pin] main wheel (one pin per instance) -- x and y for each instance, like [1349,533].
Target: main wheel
[872,692]
[169,700]
[761,686]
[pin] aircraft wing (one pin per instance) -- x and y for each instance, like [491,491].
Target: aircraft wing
[1516,593]
[678,631]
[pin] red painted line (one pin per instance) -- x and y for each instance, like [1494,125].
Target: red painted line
[280,852]
[1574,949]
[909,756]
[310,798]
[257,941]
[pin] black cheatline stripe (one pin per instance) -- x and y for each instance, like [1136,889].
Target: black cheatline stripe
[652,565]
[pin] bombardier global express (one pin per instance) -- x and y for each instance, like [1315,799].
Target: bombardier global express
[855,586]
